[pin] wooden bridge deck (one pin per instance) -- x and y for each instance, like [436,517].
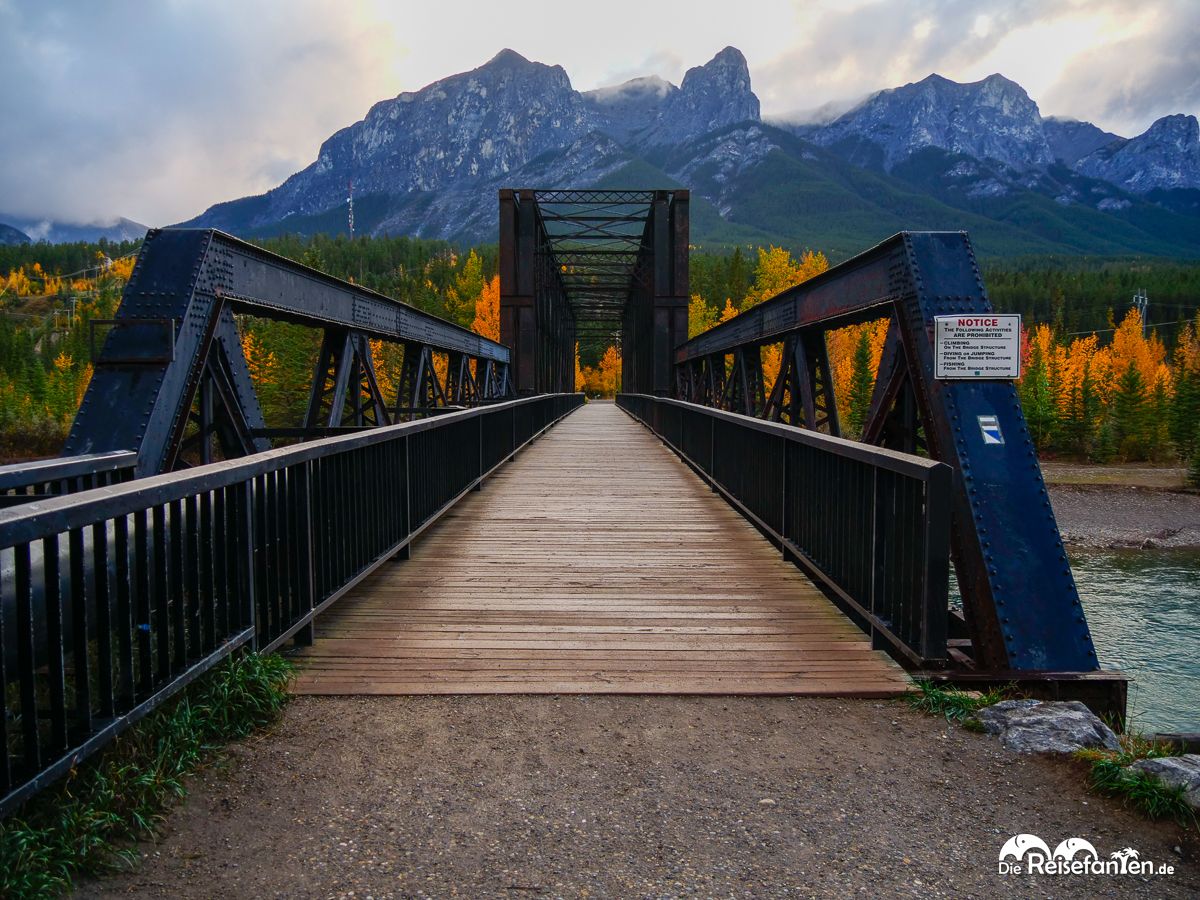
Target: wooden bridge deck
[595,562]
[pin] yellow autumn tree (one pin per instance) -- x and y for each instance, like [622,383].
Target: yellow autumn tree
[610,372]
[487,310]
[701,316]
[777,271]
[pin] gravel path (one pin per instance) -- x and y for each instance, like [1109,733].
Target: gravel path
[631,797]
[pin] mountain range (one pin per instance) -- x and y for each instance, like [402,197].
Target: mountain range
[934,154]
[22,230]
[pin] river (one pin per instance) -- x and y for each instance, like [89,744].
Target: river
[1143,608]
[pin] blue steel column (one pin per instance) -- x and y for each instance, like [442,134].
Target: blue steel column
[1009,556]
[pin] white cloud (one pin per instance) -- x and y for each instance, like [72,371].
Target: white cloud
[157,110]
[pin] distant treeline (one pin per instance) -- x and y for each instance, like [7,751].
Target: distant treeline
[49,292]
[1083,295]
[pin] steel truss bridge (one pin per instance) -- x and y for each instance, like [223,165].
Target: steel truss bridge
[177,527]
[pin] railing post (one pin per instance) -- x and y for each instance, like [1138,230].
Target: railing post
[479,454]
[405,552]
[783,500]
[304,637]
[936,563]
[876,562]
[249,602]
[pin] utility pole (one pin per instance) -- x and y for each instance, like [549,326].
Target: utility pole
[350,219]
[1141,302]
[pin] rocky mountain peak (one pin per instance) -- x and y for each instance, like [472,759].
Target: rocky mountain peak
[1071,140]
[711,96]
[989,119]
[1181,131]
[628,109]
[1166,156]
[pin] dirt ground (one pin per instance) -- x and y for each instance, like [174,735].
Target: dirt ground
[603,796]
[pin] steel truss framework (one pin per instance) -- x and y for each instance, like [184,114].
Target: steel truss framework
[607,263]
[1020,602]
[171,381]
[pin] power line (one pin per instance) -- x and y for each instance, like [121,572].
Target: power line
[1107,330]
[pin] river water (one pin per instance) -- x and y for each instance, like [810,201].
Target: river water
[1143,608]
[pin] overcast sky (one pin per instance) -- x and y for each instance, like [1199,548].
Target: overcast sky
[155,110]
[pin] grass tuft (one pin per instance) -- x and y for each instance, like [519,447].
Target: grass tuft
[954,704]
[1142,791]
[121,795]
[1134,746]
[1111,776]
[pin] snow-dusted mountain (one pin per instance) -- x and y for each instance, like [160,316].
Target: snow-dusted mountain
[932,154]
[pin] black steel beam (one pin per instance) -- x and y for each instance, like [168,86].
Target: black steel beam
[190,281]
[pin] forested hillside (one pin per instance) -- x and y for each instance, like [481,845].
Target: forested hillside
[1096,384]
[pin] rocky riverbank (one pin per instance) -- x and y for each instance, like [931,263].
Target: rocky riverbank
[1114,517]
[1123,506]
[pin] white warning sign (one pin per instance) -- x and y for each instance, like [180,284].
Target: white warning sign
[978,346]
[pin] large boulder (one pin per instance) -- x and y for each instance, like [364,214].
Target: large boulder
[1174,772]
[1038,726]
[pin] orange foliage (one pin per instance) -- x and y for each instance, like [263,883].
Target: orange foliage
[772,362]
[487,310]
[605,379]
[840,346]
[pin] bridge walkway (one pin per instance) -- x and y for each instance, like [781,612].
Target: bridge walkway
[595,562]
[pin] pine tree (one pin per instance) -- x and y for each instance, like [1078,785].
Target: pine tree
[1037,400]
[862,381]
[1185,412]
[461,296]
[1090,412]
[1157,426]
[1129,415]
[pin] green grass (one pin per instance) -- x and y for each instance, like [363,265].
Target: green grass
[1111,776]
[81,825]
[1142,791]
[955,705]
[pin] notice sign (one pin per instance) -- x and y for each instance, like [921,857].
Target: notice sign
[978,346]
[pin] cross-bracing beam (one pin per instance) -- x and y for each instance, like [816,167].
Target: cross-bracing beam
[172,384]
[603,264]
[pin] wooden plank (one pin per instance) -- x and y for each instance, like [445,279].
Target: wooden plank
[596,562]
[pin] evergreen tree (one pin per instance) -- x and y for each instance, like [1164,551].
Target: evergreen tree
[467,288]
[1157,426]
[1037,400]
[1091,411]
[1185,412]
[314,258]
[862,380]
[1129,415]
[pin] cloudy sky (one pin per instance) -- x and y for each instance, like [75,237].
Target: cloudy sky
[155,110]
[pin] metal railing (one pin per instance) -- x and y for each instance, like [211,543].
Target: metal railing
[871,526]
[24,482]
[113,599]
